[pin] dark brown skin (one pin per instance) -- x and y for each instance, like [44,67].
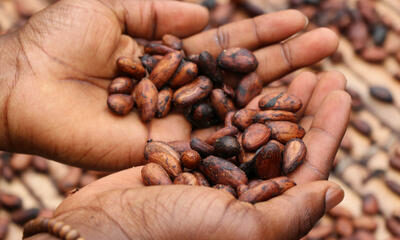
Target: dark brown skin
[221,103]
[237,60]
[123,85]
[280,101]
[164,102]
[120,104]
[293,155]
[274,115]
[146,98]
[249,87]
[157,48]
[361,126]
[255,136]
[133,68]
[268,161]
[154,174]
[193,92]
[165,68]
[172,41]
[185,73]
[186,178]
[283,131]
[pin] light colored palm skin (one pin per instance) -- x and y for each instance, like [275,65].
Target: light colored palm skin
[53,103]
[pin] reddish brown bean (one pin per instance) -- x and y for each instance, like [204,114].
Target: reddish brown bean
[284,131]
[201,179]
[249,87]
[261,192]
[226,131]
[294,155]
[165,68]
[237,60]
[133,68]
[154,47]
[146,98]
[274,115]
[268,160]
[221,103]
[244,118]
[154,174]
[164,102]
[255,136]
[193,92]
[123,85]
[226,188]
[186,178]
[186,73]
[120,104]
[280,101]
[172,41]
[190,159]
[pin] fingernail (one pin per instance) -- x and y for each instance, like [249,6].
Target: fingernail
[307,21]
[333,197]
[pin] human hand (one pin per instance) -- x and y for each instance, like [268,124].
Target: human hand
[54,103]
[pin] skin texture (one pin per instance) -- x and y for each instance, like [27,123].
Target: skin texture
[53,103]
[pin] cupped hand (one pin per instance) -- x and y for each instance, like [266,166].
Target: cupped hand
[54,103]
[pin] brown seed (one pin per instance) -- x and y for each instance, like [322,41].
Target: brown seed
[284,183]
[190,159]
[220,171]
[120,104]
[221,103]
[154,48]
[340,212]
[131,67]
[241,189]
[226,131]
[123,85]
[201,179]
[361,126]
[172,41]
[169,162]
[202,115]
[180,146]
[255,136]
[23,216]
[370,204]
[280,145]
[395,162]
[249,87]
[284,131]
[4,222]
[203,148]
[393,185]
[154,174]
[20,162]
[237,60]
[40,164]
[381,93]
[10,201]
[280,101]
[186,178]
[294,154]
[158,146]
[261,192]
[193,92]
[274,115]
[226,147]
[186,73]
[244,118]
[344,227]
[149,62]
[208,66]
[165,68]
[358,35]
[374,54]
[254,182]
[393,225]
[268,160]
[226,188]
[146,98]
[164,102]
[228,119]
[70,181]
[365,223]
[356,101]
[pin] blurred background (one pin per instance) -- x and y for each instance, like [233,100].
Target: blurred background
[367,165]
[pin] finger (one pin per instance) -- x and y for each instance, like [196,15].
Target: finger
[323,138]
[251,33]
[306,49]
[299,209]
[328,82]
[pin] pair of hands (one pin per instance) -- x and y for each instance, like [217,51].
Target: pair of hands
[53,95]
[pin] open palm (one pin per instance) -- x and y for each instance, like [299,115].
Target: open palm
[56,106]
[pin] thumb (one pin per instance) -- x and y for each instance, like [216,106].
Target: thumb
[293,214]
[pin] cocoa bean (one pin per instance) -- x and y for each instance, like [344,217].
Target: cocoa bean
[133,68]
[361,126]
[180,146]
[149,62]
[40,164]
[202,115]
[186,73]
[165,68]
[153,48]
[25,215]
[226,147]
[381,93]
[268,161]
[367,10]
[363,235]
[280,145]
[370,204]
[228,119]
[186,179]
[120,104]
[284,183]
[261,192]
[193,92]
[393,225]
[169,162]
[241,189]
[123,85]
[8,173]
[344,227]
[254,182]
[164,102]
[172,41]
[208,66]
[10,201]
[244,118]
[284,131]
[255,136]
[4,222]
[394,186]
[237,60]
[356,101]
[294,155]
[220,171]
[374,54]
[154,174]
[379,33]
[20,162]
[395,162]
[190,159]
[228,90]
[358,35]
[249,87]
[193,58]
[201,179]
[365,223]
[337,57]
[203,148]
[280,101]
[274,115]
[221,103]
[158,146]
[146,98]
[226,188]
[226,131]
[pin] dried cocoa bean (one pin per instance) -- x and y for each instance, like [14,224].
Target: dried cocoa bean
[23,216]
[146,98]
[165,68]
[381,94]
[294,155]
[365,223]
[241,189]
[172,41]
[221,103]
[208,66]
[228,90]
[220,171]
[280,101]
[370,204]
[226,131]
[203,148]
[226,188]
[8,173]
[226,147]
[228,119]
[395,163]
[249,87]
[186,178]
[394,186]
[255,136]
[40,164]
[180,146]
[393,225]
[169,162]
[190,159]
[254,182]
[20,162]
[154,174]
[193,92]
[361,126]
[149,62]
[284,183]
[237,60]
[122,85]
[132,68]
[244,118]
[374,54]
[344,227]
[261,192]
[274,115]
[120,104]
[164,102]
[158,146]
[284,131]
[10,201]
[186,73]
[4,222]
[358,35]
[202,115]
[201,179]
[268,161]
[356,101]
[153,48]
[379,33]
